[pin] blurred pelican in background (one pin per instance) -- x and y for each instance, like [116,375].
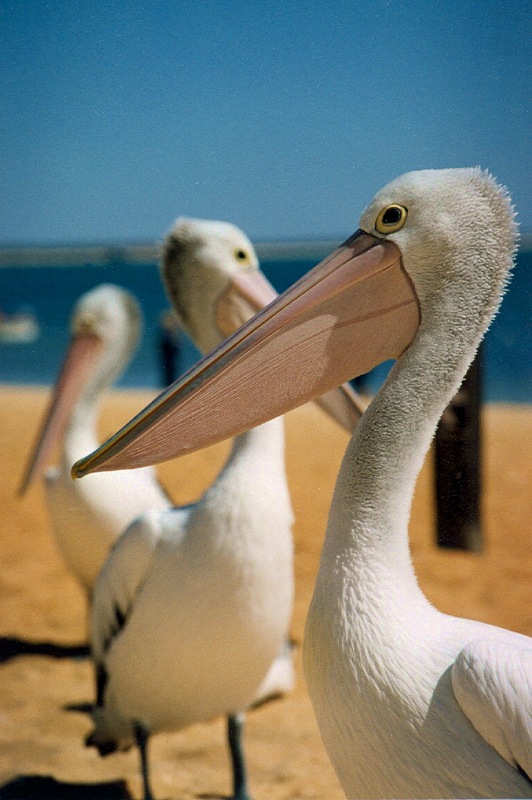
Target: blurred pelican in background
[192,609]
[87,518]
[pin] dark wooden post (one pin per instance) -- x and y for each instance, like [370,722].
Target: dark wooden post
[169,349]
[458,466]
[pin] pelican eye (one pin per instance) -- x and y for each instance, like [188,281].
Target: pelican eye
[391,219]
[242,256]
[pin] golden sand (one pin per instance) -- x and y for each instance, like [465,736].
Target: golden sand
[40,602]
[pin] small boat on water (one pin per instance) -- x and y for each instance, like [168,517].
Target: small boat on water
[20,327]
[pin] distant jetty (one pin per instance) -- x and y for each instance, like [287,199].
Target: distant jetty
[98,254]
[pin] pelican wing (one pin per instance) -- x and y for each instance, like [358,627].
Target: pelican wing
[119,582]
[492,682]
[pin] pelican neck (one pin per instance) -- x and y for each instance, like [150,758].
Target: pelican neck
[373,495]
[81,431]
[266,439]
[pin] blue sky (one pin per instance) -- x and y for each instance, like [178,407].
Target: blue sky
[283,117]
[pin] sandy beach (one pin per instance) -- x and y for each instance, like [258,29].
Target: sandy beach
[45,683]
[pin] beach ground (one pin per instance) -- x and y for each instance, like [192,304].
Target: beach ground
[44,684]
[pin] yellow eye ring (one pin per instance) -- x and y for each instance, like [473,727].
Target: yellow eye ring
[391,218]
[241,256]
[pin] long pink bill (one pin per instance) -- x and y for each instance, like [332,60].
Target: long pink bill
[77,367]
[248,293]
[354,310]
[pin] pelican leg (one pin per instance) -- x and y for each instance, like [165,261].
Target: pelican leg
[141,739]
[235,725]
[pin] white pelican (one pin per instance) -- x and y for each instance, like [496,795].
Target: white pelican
[88,518]
[410,702]
[192,608]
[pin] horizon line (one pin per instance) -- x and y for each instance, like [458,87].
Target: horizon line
[148,251]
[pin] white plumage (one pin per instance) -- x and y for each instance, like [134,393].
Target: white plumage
[492,681]
[411,702]
[193,606]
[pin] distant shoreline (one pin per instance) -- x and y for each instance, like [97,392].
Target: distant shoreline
[97,254]
[148,253]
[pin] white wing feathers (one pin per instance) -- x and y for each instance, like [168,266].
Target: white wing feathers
[120,579]
[492,682]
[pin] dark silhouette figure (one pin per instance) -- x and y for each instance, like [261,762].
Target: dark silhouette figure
[458,466]
[169,347]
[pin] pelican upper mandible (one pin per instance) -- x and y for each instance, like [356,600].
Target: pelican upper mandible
[191,611]
[410,702]
[87,518]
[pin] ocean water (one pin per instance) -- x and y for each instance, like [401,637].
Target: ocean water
[51,291]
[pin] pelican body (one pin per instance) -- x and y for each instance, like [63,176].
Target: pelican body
[410,702]
[192,609]
[194,605]
[433,705]
[87,518]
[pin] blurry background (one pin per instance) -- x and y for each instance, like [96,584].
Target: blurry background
[283,117]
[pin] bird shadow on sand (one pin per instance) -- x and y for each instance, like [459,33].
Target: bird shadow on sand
[43,787]
[12,647]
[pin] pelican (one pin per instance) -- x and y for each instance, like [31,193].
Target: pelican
[192,608]
[88,518]
[410,702]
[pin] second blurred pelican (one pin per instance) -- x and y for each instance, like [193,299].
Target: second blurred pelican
[87,518]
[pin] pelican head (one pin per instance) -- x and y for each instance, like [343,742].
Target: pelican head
[456,234]
[431,259]
[112,317]
[105,328]
[211,265]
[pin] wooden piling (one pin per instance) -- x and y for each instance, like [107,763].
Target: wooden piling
[458,467]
